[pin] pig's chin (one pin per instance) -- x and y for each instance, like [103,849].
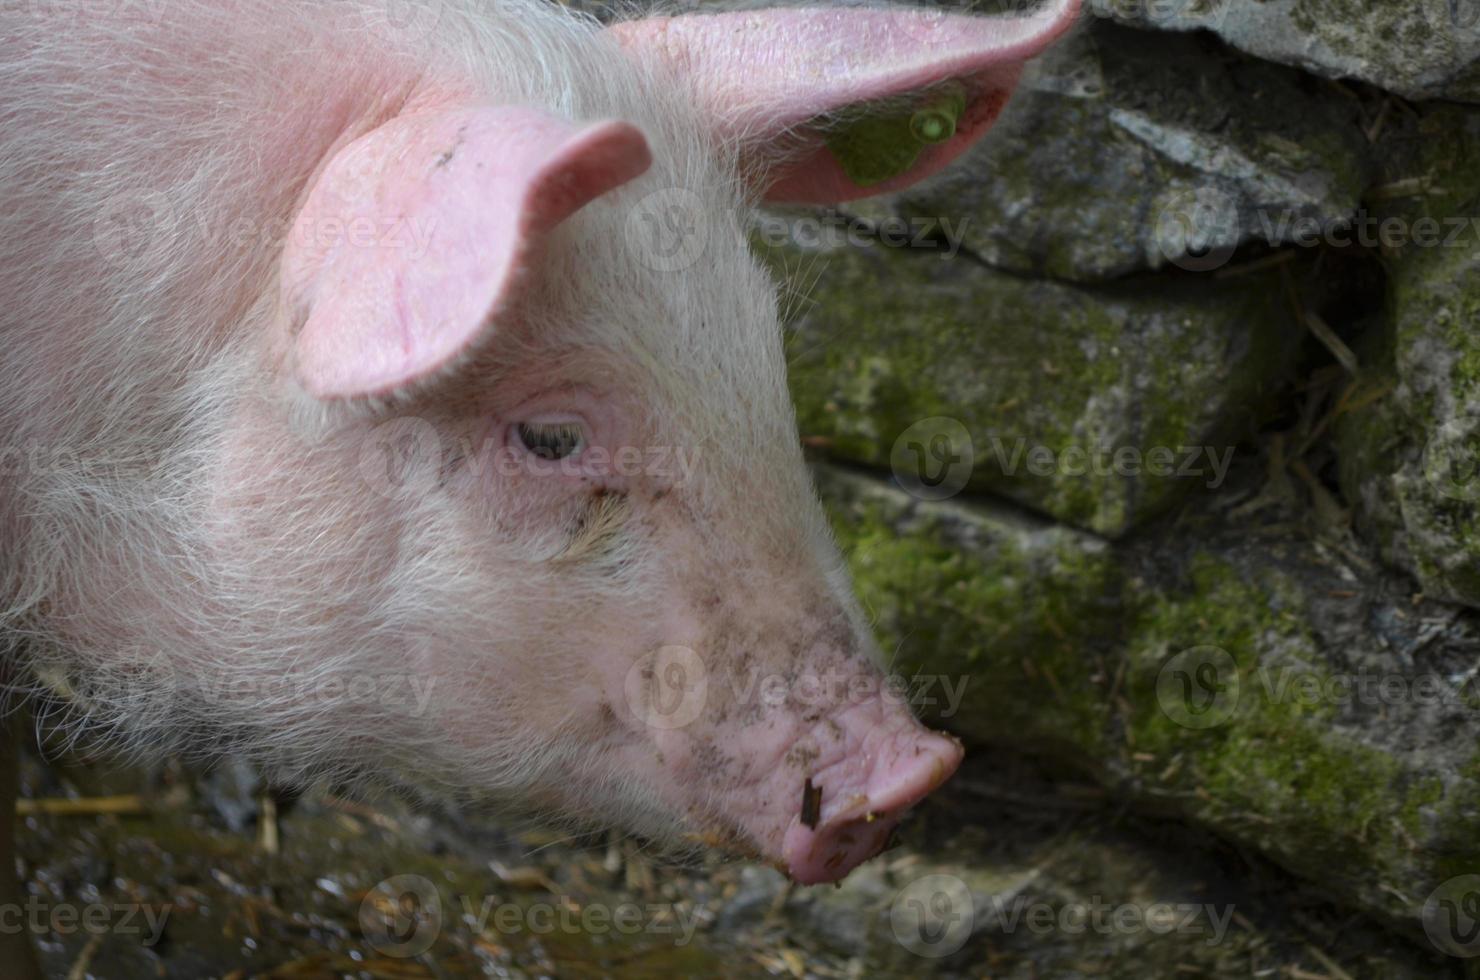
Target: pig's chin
[837,790]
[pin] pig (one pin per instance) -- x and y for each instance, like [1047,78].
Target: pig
[392,398]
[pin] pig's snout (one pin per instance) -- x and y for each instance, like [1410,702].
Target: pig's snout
[880,765]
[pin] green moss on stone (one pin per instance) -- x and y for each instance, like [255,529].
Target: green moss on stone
[1278,771]
[891,338]
[962,594]
[1428,355]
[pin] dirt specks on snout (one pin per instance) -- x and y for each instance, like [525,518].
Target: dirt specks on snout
[801,756]
[606,718]
[446,157]
[710,759]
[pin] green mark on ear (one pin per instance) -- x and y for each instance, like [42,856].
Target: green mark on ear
[874,148]
[937,123]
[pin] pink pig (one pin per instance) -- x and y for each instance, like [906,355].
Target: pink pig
[344,342]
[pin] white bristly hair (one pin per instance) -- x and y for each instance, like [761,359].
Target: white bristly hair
[177,590]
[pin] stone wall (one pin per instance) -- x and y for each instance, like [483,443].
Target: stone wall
[1157,421]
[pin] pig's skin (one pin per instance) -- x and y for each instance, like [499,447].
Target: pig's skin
[185,529]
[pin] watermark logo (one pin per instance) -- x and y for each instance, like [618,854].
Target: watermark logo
[1197,229]
[403,19]
[669,229]
[401,916]
[402,458]
[933,458]
[1463,14]
[134,227]
[1451,916]
[668,687]
[1199,687]
[933,916]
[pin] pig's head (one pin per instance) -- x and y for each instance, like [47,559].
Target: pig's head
[609,573]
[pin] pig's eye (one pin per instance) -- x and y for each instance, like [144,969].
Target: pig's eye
[550,440]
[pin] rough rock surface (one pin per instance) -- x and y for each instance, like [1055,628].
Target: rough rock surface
[1246,676]
[1417,48]
[1098,406]
[1285,656]
[1128,151]
[1409,458]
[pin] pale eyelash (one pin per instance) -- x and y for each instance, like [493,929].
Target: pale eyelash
[545,439]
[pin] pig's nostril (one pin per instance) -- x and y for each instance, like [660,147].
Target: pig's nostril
[854,827]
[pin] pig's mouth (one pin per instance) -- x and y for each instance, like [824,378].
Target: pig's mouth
[837,793]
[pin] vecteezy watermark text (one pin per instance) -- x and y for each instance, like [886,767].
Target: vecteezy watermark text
[934,916]
[935,458]
[1206,462]
[670,687]
[568,917]
[1203,687]
[403,916]
[408,456]
[40,917]
[1199,229]
[937,233]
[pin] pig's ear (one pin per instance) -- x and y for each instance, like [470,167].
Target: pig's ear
[416,238]
[831,104]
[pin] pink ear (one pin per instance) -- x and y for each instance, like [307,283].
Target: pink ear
[766,75]
[417,235]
